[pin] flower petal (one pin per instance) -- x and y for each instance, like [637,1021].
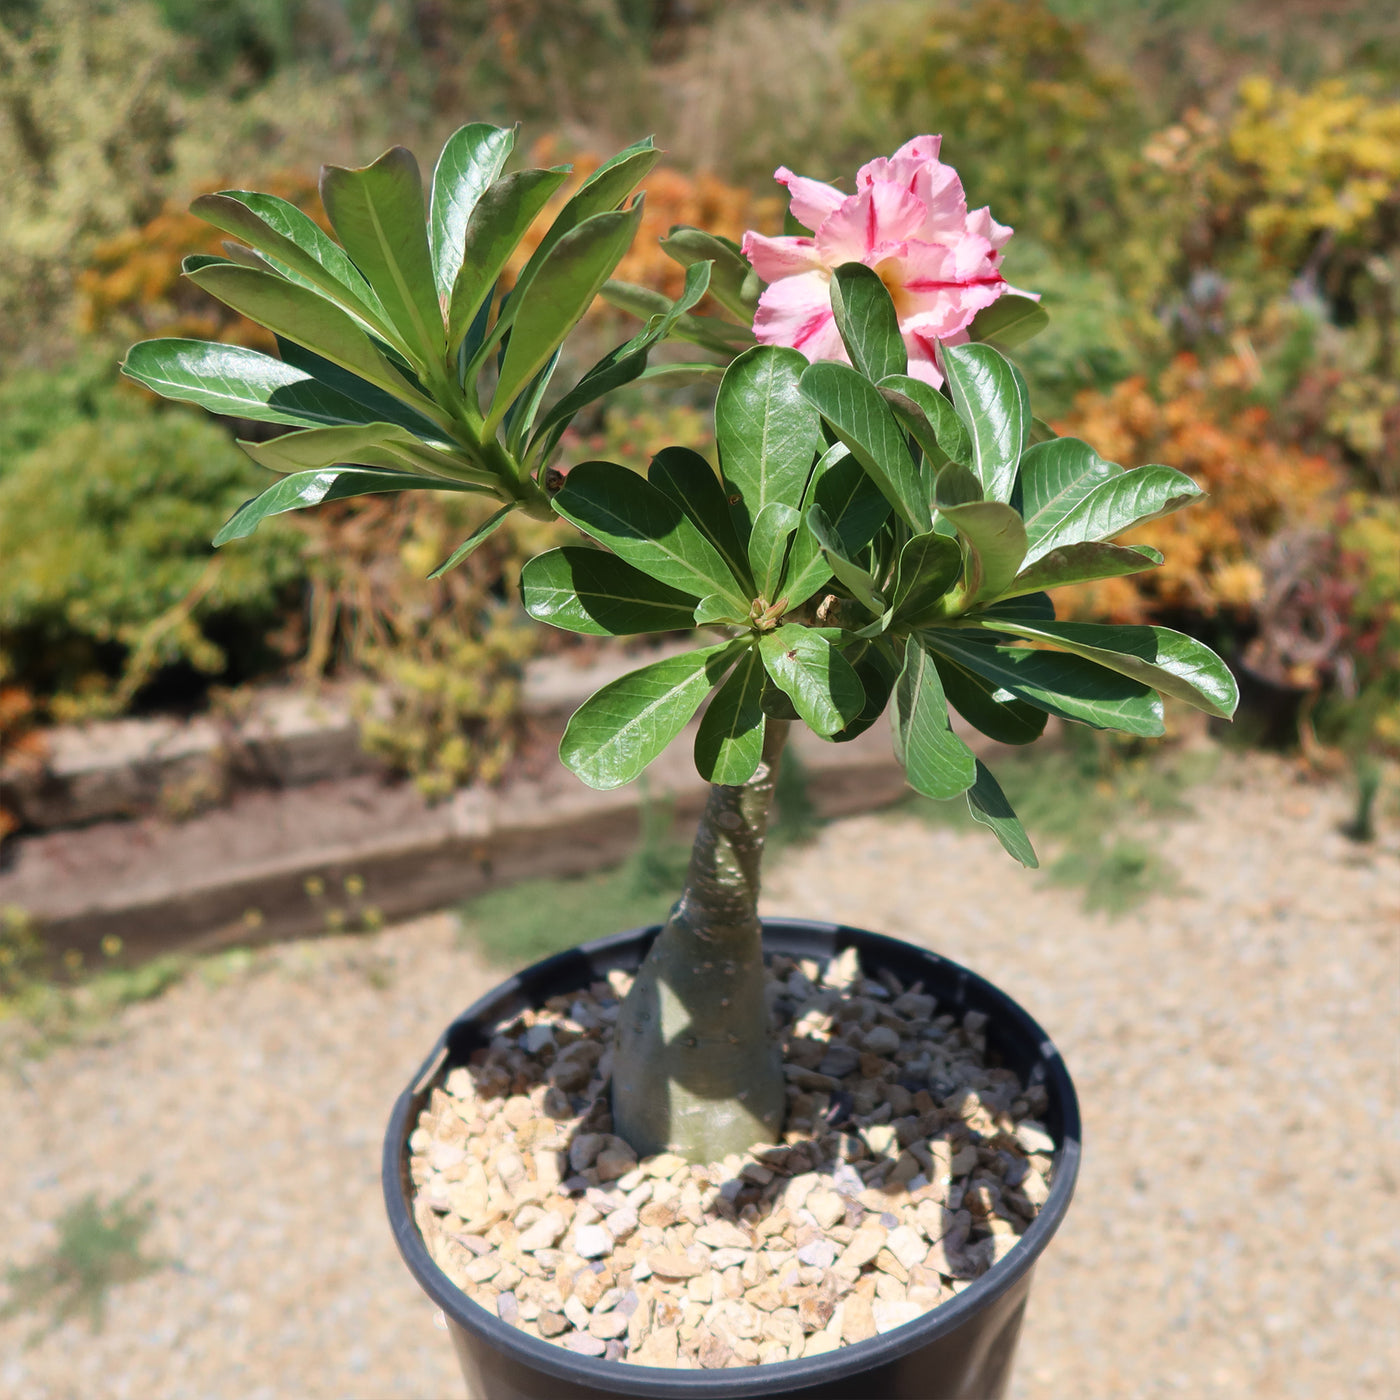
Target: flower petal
[980,222]
[812,201]
[797,311]
[880,214]
[773,258]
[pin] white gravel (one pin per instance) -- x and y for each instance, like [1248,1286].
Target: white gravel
[1235,1047]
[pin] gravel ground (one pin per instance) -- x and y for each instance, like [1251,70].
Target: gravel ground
[1234,1044]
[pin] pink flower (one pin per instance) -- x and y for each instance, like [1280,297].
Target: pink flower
[909,221]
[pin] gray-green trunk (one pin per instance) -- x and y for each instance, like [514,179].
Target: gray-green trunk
[697,1069]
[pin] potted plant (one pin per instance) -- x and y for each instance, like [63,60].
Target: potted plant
[645,1162]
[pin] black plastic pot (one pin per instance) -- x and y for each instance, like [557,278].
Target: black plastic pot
[962,1350]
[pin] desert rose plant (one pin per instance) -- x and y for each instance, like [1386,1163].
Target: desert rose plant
[882,531]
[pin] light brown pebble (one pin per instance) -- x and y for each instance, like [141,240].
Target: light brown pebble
[670,1265]
[551,1324]
[827,1207]
[889,1315]
[720,1234]
[857,1320]
[866,1244]
[585,1344]
[608,1325]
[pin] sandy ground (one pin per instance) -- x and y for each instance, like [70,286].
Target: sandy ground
[1235,1046]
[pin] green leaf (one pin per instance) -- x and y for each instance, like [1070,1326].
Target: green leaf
[1168,661]
[858,581]
[504,212]
[990,398]
[855,509]
[297,246]
[477,537]
[369,445]
[865,317]
[767,434]
[1008,322]
[936,762]
[1117,504]
[985,706]
[931,419]
[587,590]
[1055,476]
[992,534]
[312,488]
[814,676]
[473,157]
[373,404]
[556,298]
[929,566]
[1067,686]
[717,609]
[647,528]
[988,805]
[238,383]
[619,366]
[852,405]
[877,674]
[621,728]
[768,546]
[733,283]
[729,742]
[309,319]
[377,212]
[690,481]
[1040,432]
[1082,563]
[723,337]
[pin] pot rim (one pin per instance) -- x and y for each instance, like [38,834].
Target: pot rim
[630,1378]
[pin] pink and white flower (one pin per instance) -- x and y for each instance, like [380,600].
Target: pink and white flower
[909,221]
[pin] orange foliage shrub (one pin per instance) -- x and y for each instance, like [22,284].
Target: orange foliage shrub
[1197,420]
[133,287]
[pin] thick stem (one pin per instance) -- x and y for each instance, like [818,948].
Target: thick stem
[697,1069]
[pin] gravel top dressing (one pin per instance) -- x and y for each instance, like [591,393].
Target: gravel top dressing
[909,1167]
[1233,1042]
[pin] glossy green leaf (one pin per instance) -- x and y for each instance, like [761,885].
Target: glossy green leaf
[373,404]
[729,742]
[734,284]
[865,317]
[473,157]
[238,383]
[1168,661]
[853,505]
[985,706]
[852,405]
[620,729]
[988,805]
[588,590]
[994,539]
[474,541]
[767,434]
[556,298]
[877,673]
[991,400]
[312,488]
[297,245]
[619,366]
[1082,563]
[1009,321]
[717,609]
[929,417]
[1055,476]
[768,546]
[1118,504]
[690,481]
[936,762]
[1067,686]
[858,581]
[378,215]
[723,337]
[1040,432]
[647,528]
[929,566]
[369,445]
[308,318]
[814,676]
[520,416]
[498,222]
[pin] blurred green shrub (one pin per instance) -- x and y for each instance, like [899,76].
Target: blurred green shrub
[109,576]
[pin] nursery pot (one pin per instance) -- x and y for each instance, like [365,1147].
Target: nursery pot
[961,1350]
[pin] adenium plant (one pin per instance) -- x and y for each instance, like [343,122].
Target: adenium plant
[881,534]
